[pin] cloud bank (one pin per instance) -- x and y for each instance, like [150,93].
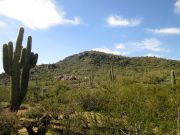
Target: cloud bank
[36,14]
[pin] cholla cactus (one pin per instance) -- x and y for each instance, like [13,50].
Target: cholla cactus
[17,64]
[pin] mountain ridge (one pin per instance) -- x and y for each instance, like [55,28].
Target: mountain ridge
[84,62]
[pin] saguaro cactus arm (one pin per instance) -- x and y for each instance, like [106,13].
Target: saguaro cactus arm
[6,59]
[10,51]
[23,57]
[19,42]
[34,60]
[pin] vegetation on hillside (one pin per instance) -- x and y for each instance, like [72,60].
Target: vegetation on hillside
[81,98]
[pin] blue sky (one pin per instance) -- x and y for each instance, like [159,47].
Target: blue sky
[64,27]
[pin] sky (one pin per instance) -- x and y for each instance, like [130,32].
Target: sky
[60,28]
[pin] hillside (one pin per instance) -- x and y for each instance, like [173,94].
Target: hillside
[98,62]
[81,96]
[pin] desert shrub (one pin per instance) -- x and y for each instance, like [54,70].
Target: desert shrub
[92,100]
[8,123]
[72,124]
[34,113]
[58,93]
[154,77]
[60,87]
[5,91]
[53,110]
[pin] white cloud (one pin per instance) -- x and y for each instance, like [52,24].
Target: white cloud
[177,7]
[151,44]
[36,14]
[120,46]
[117,21]
[106,50]
[167,31]
[2,24]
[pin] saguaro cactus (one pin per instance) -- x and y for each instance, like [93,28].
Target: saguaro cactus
[91,79]
[173,78]
[112,75]
[17,64]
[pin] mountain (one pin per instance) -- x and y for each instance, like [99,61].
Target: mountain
[100,59]
[81,64]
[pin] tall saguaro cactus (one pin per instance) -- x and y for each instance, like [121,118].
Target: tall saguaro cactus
[173,78]
[91,79]
[17,64]
[111,73]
